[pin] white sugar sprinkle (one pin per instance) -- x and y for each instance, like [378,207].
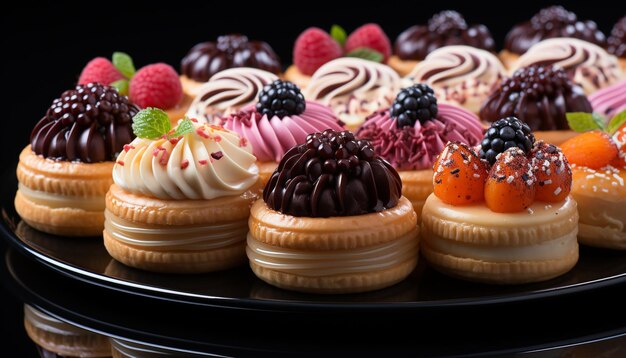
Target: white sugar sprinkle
[557,191]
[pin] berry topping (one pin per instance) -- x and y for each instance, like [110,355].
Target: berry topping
[459,175]
[530,92]
[157,86]
[553,16]
[313,48]
[446,22]
[100,70]
[332,174]
[414,103]
[90,123]
[510,186]
[553,173]
[594,149]
[280,98]
[503,134]
[369,36]
[617,40]
[208,58]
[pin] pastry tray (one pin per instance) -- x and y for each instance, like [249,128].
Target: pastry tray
[86,259]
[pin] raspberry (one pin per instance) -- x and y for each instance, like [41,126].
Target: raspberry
[314,47]
[372,37]
[156,85]
[99,70]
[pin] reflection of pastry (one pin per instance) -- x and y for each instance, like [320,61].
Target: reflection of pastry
[353,88]
[444,29]
[413,131]
[554,21]
[208,58]
[540,96]
[180,202]
[227,92]
[609,101]
[272,131]
[617,42]
[507,219]
[587,64]
[66,170]
[460,75]
[332,220]
[61,338]
[599,171]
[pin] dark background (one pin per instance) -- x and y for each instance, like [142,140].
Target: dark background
[44,48]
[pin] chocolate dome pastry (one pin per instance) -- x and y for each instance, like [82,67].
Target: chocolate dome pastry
[540,96]
[553,21]
[443,29]
[208,58]
[617,42]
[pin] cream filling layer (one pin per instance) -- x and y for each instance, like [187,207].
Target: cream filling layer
[49,324]
[167,237]
[56,201]
[547,250]
[336,262]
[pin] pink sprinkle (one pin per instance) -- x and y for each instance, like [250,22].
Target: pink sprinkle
[193,120]
[174,141]
[217,138]
[217,155]
[120,162]
[203,161]
[184,164]
[201,133]
[243,142]
[128,147]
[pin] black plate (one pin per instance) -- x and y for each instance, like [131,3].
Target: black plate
[86,259]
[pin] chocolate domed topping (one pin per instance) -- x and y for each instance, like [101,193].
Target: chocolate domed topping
[90,124]
[444,29]
[617,41]
[208,58]
[332,174]
[554,21]
[539,96]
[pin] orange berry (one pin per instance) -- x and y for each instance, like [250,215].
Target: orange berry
[510,186]
[552,171]
[459,175]
[593,149]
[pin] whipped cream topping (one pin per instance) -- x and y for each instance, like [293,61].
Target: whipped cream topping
[353,88]
[228,91]
[272,137]
[208,163]
[460,75]
[417,147]
[587,64]
[609,101]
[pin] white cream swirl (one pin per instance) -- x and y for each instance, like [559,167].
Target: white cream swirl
[208,163]
[587,64]
[228,91]
[459,75]
[354,88]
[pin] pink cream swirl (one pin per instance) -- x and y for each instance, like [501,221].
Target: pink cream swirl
[609,101]
[272,137]
[416,147]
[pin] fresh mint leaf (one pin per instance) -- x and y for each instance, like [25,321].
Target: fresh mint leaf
[584,122]
[121,86]
[124,63]
[617,122]
[151,123]
[185,126]
[366,54]
[338,34]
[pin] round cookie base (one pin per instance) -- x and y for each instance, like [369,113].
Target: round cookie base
[557,137]
[294,75]
[417,185]
[602,237]
[403,67]
[87,345]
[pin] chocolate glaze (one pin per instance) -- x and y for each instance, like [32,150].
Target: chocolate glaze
[617,41]
[444,29]
[88,124]
[539,96]
[554,21]
[208,58]
[332,174]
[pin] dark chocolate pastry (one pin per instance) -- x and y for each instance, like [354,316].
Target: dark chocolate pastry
[332,174]
[617,41]
[208,58]
[89,124]
[554,21]
[444,29]
[539,96]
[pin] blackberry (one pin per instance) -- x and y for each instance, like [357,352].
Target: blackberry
[504,134]
[414,103]
[555,16]
[617,41]
[280,98]
[446,22]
